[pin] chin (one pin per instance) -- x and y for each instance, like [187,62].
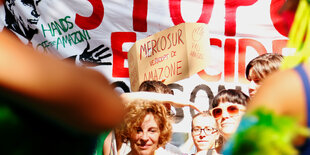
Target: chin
[229,130]
[145,153]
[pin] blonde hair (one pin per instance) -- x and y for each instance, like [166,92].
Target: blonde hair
[137,110]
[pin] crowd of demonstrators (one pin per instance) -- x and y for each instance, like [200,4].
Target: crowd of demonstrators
[72,111]
[69,107]
[260,67]
[205,134]
[81,110]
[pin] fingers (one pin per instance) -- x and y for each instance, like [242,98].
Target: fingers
[105,56]
[97,48]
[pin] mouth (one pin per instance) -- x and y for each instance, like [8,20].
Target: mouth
[202,141]
[32,21]
[226,124]
[144,147]
[252,92]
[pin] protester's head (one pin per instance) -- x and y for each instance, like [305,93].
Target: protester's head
[228,107]
[204,131]
[146,126]
[260,67]
[24,12]
[155,86]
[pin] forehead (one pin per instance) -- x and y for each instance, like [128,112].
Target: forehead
[204,121]
[149,121]
[226,104]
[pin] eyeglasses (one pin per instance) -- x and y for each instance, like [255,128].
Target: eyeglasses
[206,130]
[231,109]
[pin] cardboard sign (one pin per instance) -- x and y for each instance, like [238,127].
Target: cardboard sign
[169,55]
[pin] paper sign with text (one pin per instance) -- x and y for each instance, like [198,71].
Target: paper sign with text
[169,55]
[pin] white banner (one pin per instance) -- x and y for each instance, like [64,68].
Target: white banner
[102,32]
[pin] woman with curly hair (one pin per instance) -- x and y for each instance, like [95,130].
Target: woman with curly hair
[147,126]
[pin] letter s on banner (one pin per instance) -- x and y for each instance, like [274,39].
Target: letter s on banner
[93,21]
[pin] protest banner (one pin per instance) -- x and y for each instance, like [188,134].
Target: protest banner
[102,32]
[170,55]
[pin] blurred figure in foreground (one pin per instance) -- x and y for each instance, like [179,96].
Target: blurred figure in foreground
[48,103]
[278,117]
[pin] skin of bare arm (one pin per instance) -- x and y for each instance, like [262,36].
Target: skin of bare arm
[77,97]
[174,100]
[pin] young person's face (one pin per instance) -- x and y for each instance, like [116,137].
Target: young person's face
[145,140]
[255,82]
[228,116]
[204,132]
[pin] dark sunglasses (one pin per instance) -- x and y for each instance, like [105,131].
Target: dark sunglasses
[231,109]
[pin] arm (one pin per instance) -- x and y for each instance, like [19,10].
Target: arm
[174,100]
[283,93]
[79,97]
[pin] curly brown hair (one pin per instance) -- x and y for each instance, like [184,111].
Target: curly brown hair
[136,111]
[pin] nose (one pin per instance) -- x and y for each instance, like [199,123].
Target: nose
[225,114]
[144,136]
[35,13]
[252,87]
[202,133]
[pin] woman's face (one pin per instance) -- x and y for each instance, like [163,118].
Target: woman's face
[204,132]
[228,116]
[254,82]
[145,140]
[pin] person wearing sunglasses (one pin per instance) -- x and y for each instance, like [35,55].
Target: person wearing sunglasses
[228,107]
[205,133]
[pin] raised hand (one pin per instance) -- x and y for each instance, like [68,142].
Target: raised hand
[95,57]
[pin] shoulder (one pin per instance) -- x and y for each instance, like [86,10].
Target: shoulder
[280,91]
